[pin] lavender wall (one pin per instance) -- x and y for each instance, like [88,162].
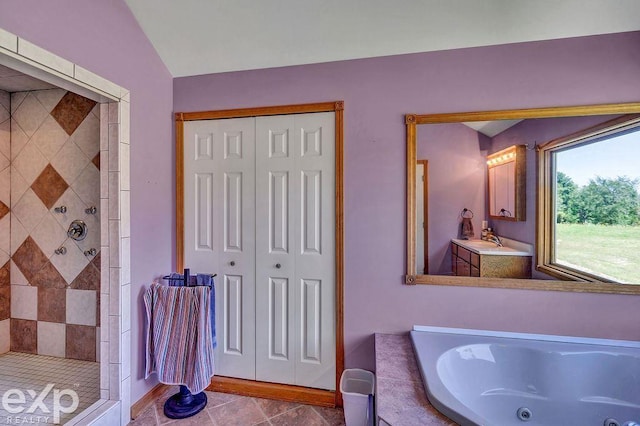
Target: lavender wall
[457,179]
[377,93]
[105,38]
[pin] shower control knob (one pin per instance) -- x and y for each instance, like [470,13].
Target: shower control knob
[278,266]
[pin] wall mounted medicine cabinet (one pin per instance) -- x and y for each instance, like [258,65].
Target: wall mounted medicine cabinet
[507,183]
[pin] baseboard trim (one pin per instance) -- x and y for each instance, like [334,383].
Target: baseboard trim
[302,395]
[149,398]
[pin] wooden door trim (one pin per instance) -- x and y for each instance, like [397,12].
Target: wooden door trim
[281,392]
[262,389]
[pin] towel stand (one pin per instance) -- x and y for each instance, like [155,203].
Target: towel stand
[184,404]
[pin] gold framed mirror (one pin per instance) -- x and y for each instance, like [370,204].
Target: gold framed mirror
[414,121]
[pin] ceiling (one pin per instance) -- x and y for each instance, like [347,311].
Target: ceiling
[15,81]
[211,36]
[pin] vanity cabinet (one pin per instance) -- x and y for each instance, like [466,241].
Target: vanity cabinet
[467,263]
[507,181]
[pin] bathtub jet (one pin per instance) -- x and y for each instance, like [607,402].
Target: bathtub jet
[477,377]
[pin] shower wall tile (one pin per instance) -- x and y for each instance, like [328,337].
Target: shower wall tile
[87,186]
[87,136]
[54,148]
[18,235]
[71,111]
[5,336]
[70,161]
[49,277]
[49,186]
[16,276]
[49,98]
[5,185]
[29,258]
[81,307]
[30,114]
[18,185]
[72,263]
[52,304]
[49,138]
[19,138]
[49,235]
[89,278]
[30,162]
[24,302]
[81,342]
[24,335]
[51,338]
[29,210]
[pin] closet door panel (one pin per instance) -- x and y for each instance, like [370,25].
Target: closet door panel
[275,266]
[219,231]
[314,309]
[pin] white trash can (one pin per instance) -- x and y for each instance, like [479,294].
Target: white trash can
[357,388]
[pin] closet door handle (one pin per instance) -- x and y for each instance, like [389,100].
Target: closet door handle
[232,263]
[278,266]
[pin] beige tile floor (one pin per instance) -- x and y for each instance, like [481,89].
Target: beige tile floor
[230,410]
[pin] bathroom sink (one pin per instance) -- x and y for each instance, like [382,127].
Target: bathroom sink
[509,248]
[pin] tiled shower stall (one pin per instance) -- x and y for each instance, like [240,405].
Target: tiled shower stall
[49,282]
[53,169]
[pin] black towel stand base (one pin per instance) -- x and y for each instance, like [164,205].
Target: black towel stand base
[184,404]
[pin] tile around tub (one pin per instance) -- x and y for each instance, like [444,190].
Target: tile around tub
[51,339]
[81,307]
[29,258]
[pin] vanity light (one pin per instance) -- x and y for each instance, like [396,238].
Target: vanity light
[507,183]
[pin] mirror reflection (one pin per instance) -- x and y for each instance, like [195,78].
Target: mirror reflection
[457,187]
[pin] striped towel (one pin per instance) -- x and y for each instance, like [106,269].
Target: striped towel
[179,346]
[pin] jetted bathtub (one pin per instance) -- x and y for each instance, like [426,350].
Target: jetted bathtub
[487,378]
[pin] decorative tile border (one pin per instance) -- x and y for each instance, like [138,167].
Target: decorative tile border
[115,287]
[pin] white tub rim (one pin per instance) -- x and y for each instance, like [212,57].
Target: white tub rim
[529,336]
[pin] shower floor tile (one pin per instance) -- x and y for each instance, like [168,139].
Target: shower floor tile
[29,375]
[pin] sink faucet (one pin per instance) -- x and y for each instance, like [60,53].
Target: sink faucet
[494,239]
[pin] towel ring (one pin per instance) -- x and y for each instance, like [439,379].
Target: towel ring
[465,213]
[505,213]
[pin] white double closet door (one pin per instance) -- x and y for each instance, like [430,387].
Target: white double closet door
[260,212]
